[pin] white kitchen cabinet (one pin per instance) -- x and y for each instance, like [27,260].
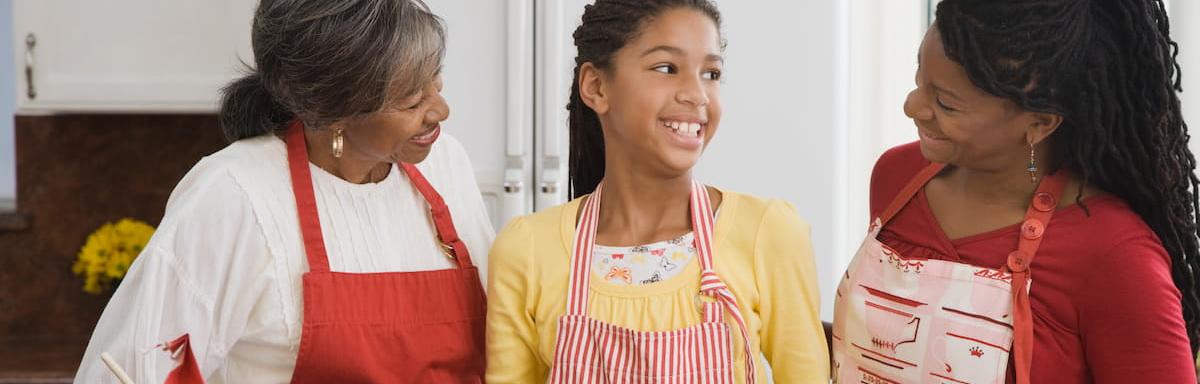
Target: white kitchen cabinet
[127,55]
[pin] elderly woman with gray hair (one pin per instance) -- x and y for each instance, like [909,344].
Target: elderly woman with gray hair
[337,239]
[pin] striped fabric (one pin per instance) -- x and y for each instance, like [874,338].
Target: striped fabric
[592,351]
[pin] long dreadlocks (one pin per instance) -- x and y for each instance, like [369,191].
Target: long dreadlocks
[1108,67]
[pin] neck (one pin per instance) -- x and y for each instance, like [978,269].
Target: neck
[351,166]
[640,208]
[1009,184]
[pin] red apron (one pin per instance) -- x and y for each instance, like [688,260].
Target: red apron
[393,327]
[909,320]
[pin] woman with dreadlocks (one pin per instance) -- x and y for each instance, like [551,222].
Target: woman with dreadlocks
[640,279]
[1047,212]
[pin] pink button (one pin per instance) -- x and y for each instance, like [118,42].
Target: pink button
[1032,229]
[1044,202]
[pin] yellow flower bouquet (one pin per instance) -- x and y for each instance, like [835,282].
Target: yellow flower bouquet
[109,252]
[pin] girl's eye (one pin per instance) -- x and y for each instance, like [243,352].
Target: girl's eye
[713,75]
[665,68]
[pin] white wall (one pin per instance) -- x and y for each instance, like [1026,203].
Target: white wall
[1184,29]
[8,167]
[783,128]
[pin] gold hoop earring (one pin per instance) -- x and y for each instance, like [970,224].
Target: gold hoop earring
[1032,165]
[338,143]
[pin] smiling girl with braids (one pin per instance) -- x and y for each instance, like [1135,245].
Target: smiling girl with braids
[1048,211]
[628,281]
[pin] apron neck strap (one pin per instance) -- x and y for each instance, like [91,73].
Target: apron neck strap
[306,201]
[585,239]
[702,225]
[1037,218]
[914,185]
[310,221]
[448,238]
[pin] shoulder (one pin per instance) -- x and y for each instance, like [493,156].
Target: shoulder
[531,243]
[542,227]
[217,195]
[753,216]
[1116,233]
[892,171]
[243,165]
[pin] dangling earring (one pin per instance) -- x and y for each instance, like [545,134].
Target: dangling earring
[1032,165]
[338,143]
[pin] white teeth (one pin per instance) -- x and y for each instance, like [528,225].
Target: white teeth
[426,136]
[683,128]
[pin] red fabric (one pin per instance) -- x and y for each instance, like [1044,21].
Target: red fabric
[1104,307]
[397,327]
[187,372]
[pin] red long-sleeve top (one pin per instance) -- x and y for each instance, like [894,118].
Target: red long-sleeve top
[1105,308]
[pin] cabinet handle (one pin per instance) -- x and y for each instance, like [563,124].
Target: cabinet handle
[30,42]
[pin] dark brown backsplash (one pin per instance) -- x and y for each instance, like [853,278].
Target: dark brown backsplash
[75,173]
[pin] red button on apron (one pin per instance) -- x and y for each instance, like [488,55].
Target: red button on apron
[1018,261]
[1044,202]
[1032,229]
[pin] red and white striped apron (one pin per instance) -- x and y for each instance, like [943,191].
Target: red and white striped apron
[591,351]
[909,320]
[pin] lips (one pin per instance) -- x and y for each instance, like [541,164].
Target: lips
[427,138]
[928,135]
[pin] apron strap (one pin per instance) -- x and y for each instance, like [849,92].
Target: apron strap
[1037,218]
[711,284]
[914,185]
[442,221]
[581,255]
[306,202]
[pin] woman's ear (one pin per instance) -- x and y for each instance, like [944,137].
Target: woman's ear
[1041,126]
[592,89]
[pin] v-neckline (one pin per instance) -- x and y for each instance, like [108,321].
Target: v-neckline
[951,245]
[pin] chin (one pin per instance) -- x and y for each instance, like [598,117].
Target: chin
[679,164]
[413,156]
[934,155]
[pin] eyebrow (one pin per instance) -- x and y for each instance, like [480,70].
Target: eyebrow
[935,86]
[676,51]
[946,91]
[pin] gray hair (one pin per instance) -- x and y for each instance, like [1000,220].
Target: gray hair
[323,61]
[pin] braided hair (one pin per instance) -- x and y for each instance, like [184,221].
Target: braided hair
[1108,67]
[607,26]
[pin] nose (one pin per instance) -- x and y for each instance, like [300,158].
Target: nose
[439,110]
[915,107]
[692,92]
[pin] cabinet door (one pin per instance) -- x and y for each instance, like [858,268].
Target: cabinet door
[127,55]
[488,81]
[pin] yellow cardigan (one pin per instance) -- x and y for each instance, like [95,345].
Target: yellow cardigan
[763,253]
